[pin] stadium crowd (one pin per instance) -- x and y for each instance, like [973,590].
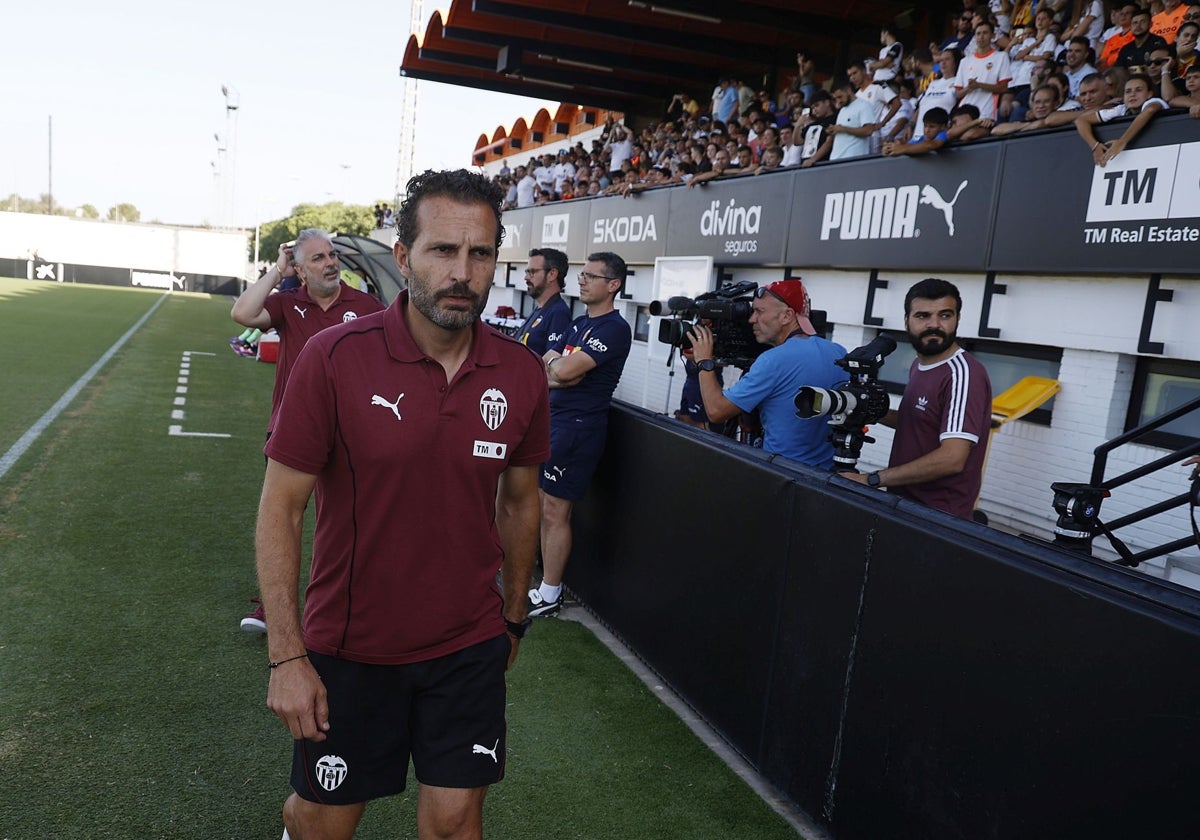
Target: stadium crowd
[1003,68]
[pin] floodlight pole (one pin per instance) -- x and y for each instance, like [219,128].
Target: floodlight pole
[50,165]
[232,100]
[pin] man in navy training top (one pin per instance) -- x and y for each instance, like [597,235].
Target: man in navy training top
[945,416]
[583,370]
[421,430]
[798,356]
[545,278]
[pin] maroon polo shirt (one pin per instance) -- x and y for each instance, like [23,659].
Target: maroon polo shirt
[406,548]
[297,318]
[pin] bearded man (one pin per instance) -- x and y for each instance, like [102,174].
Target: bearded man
[945,415]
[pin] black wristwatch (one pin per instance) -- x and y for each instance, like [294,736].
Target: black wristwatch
[873,479]
[707,364]
[518,629]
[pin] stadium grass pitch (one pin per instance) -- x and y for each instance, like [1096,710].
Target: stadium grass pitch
[132,706]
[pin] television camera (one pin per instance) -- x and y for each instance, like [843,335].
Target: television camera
[859,403]
[727,310]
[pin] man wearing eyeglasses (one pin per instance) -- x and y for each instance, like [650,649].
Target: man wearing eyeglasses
[545,278]
[583,369]
[798,356]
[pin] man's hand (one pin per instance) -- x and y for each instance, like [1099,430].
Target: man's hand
[297,697]
[702,342]
[861,478]
[284,262]
[1194,461]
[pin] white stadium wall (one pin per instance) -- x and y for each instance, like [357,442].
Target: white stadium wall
[200,258]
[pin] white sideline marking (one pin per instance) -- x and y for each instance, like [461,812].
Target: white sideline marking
[33,432]
[176,430]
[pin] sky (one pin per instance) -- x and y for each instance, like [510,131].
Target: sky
[119,101]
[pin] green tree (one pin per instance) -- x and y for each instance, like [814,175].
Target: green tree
[89,212]
[40,205]
[335,217]
[124,212]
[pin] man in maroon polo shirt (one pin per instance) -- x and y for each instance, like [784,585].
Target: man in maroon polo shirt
[297,315]
[945,416]
[421,430]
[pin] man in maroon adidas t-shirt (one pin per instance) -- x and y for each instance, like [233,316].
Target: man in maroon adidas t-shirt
[421,430]
[945,416]
[298,314]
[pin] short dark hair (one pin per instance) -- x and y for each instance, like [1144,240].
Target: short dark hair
[1057,93]
[936,116]
[821,95]
[461,185]
[932,288]
[1142,77]
[613,265]
[555,260]
[966,109]
[843,84]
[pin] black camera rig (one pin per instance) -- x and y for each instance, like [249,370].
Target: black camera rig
[859,403]
[727,310]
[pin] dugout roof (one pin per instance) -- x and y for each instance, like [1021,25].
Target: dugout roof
[632,56]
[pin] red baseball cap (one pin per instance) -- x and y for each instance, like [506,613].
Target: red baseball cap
[795,297]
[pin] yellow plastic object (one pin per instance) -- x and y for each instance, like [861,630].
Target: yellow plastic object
[1022,398]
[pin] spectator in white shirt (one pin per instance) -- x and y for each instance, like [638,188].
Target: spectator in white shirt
[984,74]
[1024,52]
[1089,24]
[1077,67]
[885,68]
[1138,102]
[941,92]
[900,126]
[881,98]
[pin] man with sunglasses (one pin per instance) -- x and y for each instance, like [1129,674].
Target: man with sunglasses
[583,369]
[798,356]
[545,278]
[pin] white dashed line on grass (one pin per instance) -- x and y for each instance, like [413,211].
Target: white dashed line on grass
[176,429]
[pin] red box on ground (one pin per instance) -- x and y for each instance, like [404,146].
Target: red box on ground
[268,348]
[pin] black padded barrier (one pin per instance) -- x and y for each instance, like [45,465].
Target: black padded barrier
[894,671]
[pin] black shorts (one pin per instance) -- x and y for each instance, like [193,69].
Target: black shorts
[446,713]
[575,452]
